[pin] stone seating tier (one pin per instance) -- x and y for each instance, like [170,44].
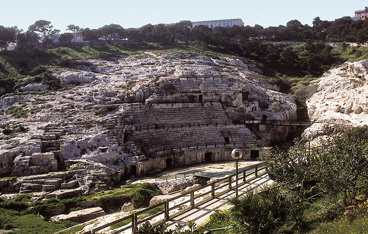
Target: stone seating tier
[199,114]
[161,139]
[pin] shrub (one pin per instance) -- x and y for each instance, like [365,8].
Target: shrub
[142,196]
[259,213]
[5,222]
[17,112]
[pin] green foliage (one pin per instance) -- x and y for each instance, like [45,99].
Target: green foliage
[147,228]
[338,173]
[142,197]
[346,164]
[348,53]
[17,112]
[259,213]
[44,78]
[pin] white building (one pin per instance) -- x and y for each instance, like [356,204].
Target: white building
[220,23]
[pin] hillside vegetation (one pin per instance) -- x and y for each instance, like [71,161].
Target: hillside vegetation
[291,67]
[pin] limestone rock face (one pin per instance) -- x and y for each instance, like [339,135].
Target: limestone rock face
[69,77]
[80,215]
[341,98]
[138,115]
[128,206]
[34,87]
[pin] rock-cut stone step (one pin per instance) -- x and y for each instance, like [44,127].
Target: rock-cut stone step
[80,215]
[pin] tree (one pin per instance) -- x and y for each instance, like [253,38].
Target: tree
[27,40]
[182,30]
[66,38]
[45,30]
[160,34]
[133,34]
[90,35]
[202,33]
[7,35]
[145,33]
[294,29]
[111,32]
[346,164]
[74,29]
[342,167]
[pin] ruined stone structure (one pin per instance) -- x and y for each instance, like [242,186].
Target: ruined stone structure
[139,115]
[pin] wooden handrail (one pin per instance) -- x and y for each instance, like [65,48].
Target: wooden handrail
[228,181]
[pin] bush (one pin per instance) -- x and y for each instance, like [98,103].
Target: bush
[5,223]
[17,112]
[259,213]
[142,197]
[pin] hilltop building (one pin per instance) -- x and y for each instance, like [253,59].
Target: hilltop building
[220,23]
[361,14]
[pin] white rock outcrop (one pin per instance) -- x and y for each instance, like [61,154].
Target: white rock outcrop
[341,98]
[34,87]
[80,215]
[80,77]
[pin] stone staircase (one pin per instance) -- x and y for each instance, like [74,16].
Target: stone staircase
[45,182]
[51,142]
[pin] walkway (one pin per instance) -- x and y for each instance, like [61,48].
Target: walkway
[196,205]
[201,213]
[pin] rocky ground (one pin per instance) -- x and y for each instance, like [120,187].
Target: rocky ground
[70,129]
[341,99]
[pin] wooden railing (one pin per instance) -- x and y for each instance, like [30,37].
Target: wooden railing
[225,183]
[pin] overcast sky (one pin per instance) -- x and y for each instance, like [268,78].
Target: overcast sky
[136,13]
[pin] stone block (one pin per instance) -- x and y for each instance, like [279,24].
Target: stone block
[49,187]
[65,193]
[80,215]
[128,206]
[69,185]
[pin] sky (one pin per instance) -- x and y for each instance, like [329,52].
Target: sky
[136,13]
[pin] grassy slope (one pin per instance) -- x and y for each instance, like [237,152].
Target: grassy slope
[23,217]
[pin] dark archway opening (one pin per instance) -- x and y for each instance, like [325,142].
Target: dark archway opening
[169,163]
[245,96]
[254,154]
[200,98]
[133,170]
[264,118]
[208,157]
[126,137]
[227,141]
[191,99]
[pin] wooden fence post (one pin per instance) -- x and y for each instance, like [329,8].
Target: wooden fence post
[167,214]
[230,183]
[192,199]
[213,190]
[134,223]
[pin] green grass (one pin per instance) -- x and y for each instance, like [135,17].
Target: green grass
[351,54]
[20,214]
[73,230]
[120,224]
[29,223]
[344,226]
[17,112]
[88,52]
[219,219]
